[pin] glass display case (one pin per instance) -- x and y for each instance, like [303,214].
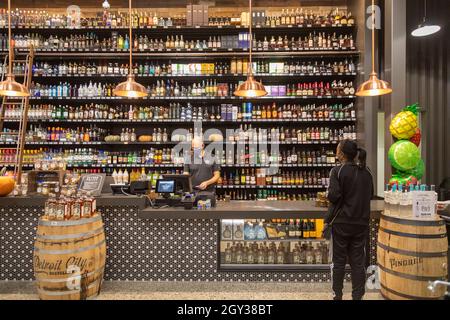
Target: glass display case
[272,244]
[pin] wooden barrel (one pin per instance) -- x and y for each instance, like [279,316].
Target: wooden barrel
[69,258]
[411,253]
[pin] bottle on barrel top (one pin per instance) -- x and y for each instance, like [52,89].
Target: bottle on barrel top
[76,209]
[387,201]
[394,201]
[404,204]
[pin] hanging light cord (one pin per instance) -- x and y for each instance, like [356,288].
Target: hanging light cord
[10,38]
[250,68]
[425,12]
[131,41]
[373,36]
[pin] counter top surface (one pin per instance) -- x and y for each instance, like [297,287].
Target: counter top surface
[249,209]
[224,210]
[103,200]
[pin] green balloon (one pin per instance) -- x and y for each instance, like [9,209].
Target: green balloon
[404,155]
[419,170]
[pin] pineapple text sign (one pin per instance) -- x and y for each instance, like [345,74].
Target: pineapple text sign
[424,204]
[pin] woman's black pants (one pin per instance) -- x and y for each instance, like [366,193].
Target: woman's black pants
[349,242]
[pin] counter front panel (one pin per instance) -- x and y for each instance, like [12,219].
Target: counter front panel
[142,249]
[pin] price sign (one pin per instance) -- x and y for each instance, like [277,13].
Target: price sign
[92,183]
[424,204]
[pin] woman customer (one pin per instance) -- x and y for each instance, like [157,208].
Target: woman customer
[349,193]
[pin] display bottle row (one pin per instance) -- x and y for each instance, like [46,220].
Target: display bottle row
[280,134]
[148,18]
[283,157]
[245,134]
[235,66]
[304,252]
[177,111]
[285,17]
[310,67]
[92,42]
[160,89]
[30,156]
[398,200]
[59,134]
[107,18]
[165,156]
[150,156]
[288,178]
[124,176]
[208,88]
[67,208]
[278,229]
[298,17]
[264,195]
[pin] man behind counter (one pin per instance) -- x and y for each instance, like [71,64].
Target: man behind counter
[204,173]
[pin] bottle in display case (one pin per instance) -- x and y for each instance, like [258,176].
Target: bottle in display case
[277,242]
[238,229]
[226,230]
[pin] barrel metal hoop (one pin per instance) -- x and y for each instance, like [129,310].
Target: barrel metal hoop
[403,295]
[422,223]
[413,235]
[413,253]
[68,223]
[43,251]
[63,293]
[410,276]
[71,236]
[72,275]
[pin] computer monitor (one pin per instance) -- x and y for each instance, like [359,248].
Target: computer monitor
[165,186]
[182,182]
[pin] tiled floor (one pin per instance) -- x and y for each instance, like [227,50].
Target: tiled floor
[113,290]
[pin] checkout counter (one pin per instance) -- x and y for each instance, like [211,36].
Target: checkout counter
[146,243]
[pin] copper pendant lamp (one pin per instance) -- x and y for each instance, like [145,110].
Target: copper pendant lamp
[250,88]
[374,86]
[130,88]
[10,87]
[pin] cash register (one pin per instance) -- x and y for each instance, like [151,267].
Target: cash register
[174,190]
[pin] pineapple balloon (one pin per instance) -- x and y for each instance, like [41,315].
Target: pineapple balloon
[405,124]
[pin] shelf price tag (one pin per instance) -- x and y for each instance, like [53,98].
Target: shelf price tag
[424,204]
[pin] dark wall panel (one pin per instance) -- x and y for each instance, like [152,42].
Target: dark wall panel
[428,82]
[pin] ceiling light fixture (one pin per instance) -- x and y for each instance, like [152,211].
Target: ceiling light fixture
[250,88]
[423,29]
[374,86]
[130,88]
[10,87]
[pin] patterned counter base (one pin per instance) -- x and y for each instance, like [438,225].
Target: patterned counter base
[143,250]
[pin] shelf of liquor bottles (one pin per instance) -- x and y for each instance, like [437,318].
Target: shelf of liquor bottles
[140,165]
[271,186]
[189,76]
[147,121]
[216,40]
[308,63]
[94,55]
[228,98]
[155,143]
[225,52]
[187,28]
